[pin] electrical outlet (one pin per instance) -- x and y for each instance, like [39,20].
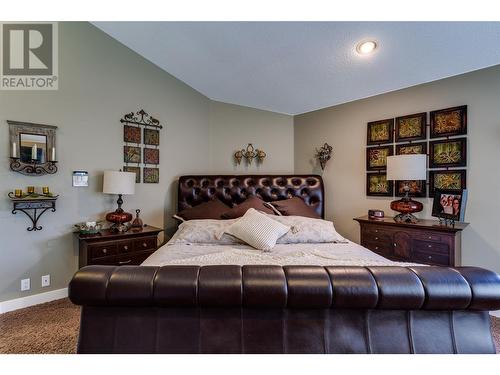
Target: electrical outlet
[45,280]
[25,285]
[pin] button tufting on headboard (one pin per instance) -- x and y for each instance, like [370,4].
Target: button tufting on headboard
[234,189]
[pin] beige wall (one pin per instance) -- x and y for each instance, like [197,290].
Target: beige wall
[100,80]
[232,127]
[344,127]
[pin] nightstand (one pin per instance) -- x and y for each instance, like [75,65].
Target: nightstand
[426,242]
[113,248]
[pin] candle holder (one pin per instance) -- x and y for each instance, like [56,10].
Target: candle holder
[33,168]
[26,135]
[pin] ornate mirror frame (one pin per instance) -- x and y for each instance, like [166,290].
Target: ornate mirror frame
[16,128]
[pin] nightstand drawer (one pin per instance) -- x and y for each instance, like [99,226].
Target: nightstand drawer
[125,246]
[382,248]
[147,243]
[430,258]
[429,237]
[102,250]
[431,247]
[377,238]
[123,260]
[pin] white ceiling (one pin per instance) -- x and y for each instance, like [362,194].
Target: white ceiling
[296,67]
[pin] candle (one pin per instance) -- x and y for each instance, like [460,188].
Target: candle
[14,150]
[18,193]
[31,189]
[53,154]
[34,152]
[45,190]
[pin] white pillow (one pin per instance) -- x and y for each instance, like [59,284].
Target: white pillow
[257,229]
[308,230]
[204,231]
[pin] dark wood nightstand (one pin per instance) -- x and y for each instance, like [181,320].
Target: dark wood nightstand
[425,242]
[113,248]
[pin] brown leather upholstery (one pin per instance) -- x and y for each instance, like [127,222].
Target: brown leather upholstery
[294,309]
[234,189]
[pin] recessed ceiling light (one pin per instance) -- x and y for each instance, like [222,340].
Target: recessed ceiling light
[367,47]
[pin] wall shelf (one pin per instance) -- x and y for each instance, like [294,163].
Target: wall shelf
[34,208]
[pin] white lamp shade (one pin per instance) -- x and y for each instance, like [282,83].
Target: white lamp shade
[115,182]
[407,167]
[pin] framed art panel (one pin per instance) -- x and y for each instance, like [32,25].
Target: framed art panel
[136,170]
[376,157]
[411,148]
[151,137]
[447,180]
[380,132]
[418,188]
[131,154]
[448,122]
[448,153]
[132,134]
[411,127]
[151,175]
[378,186]
[151,156]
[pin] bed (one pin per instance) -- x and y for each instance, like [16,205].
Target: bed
[194,296]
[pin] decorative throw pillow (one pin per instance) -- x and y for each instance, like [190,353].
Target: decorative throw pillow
[257,229]
[308,230]
[240,209]
[294,207]
[207,210]
[206,231]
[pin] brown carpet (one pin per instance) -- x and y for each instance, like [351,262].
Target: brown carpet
[52,328]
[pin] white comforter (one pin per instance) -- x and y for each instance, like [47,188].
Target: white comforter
[320,254]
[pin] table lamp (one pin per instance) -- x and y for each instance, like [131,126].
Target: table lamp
[121,183]
[405,168]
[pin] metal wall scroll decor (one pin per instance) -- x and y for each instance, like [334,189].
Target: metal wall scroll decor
[141,135]
[33,148]
[249,154]
[323,154]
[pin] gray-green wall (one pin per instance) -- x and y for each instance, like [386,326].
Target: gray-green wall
[100,80]
[344,127]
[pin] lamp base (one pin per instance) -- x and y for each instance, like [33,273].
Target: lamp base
[406,206]
[406,218]
[120,227]
[119,217]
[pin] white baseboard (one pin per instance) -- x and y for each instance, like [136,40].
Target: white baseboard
[35,299]
[495,313]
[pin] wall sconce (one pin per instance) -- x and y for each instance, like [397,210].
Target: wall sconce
[249,154]
[323,154]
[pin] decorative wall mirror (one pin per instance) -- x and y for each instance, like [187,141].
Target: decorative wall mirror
[33,148]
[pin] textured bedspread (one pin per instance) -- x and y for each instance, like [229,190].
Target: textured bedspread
[319,254]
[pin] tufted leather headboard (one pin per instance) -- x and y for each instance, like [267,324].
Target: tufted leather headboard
[234,189]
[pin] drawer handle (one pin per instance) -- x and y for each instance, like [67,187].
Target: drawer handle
[429,257]
[430,237]
[376,247]
[144,244]
[125,247]
[429,246]
[376,238]
[395,244]
[376,230]
[125,262]
[104,251]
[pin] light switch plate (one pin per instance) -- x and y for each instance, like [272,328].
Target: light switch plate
[25,285]
[45,280]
